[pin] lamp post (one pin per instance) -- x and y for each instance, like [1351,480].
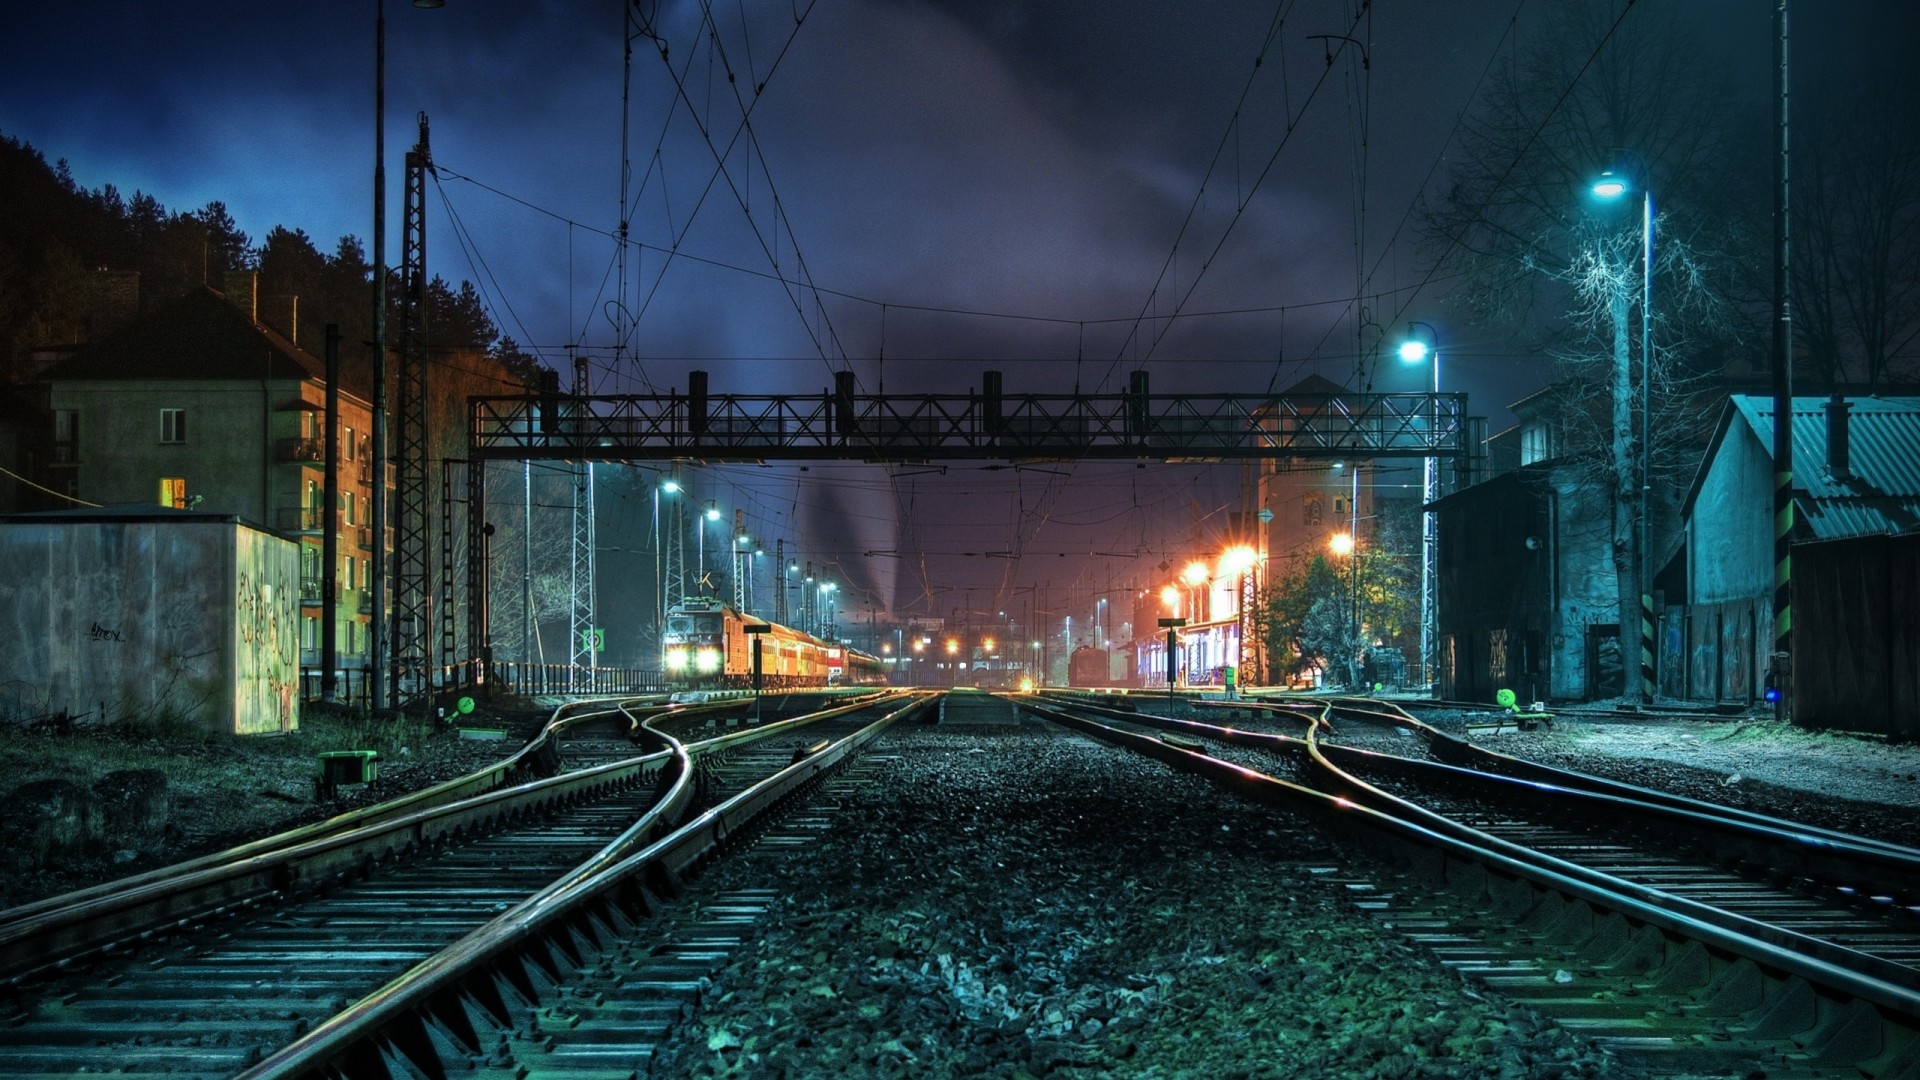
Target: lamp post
[1608,188]
[663,563]
[710,514]
[1236,565]
[1413,350]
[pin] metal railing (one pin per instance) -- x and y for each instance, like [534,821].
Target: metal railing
[301,450]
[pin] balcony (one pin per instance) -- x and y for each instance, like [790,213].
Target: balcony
[303,520]
[313,590]
[301,451]
[66,453]
[364,534]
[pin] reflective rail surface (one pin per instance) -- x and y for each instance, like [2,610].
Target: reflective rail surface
[1707,974]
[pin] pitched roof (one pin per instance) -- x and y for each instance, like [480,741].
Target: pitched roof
[1882,491]
[197,336]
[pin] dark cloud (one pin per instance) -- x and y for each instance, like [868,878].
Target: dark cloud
[1017,158]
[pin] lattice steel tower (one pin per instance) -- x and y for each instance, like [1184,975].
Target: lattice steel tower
[412,539]
[585,649]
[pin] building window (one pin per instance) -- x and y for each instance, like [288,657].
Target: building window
[66,436]
[346,444]
[173,425]
[346,505]
[310,635]
[349,583]
[1536,443]
[173,492]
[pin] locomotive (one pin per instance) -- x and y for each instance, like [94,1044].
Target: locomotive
[706,645]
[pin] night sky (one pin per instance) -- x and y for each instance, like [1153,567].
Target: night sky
[997,182]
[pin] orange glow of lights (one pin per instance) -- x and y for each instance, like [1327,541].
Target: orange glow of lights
[1341,543]
[1237,561]
[989,644]
[1170,596]
[952,646]
[1195,573]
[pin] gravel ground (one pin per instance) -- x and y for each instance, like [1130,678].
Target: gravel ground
[68,818]
[1035,906]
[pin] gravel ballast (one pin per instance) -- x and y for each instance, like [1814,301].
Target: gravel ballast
[1036,905]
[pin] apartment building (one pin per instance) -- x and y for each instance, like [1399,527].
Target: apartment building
[207,402]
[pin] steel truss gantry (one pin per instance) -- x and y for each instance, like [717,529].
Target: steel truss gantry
[982,425]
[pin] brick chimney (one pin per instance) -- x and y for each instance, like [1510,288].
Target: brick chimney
[1838,467]
[281,313]
[243,290]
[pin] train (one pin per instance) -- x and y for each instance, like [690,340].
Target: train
[706,645]
[1089,666]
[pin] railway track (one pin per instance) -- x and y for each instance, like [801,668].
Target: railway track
[1680,935]
[219,967]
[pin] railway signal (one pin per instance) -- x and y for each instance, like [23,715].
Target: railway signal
[753,631]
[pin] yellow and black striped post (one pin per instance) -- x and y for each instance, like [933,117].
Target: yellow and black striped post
[1780,671]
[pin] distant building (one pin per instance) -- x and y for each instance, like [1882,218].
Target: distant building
[198,404]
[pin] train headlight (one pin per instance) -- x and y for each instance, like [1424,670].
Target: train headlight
[677,659]
[708,660]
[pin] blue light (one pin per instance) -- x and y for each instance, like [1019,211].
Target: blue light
[1773,694]
[1609,186]
[1413,351]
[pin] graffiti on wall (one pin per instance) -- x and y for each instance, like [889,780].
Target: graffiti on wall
[267,632]
[104,633]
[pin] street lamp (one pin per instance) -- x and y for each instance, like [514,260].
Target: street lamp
[1236,564]
[377,580]
[711,514]
[1348,545]
[1414,350]
[1608,188]
[662,562]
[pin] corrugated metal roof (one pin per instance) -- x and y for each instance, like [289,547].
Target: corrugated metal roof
[1882,492]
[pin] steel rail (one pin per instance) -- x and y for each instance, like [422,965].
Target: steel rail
[459,788]
[1754,843]
[1417,842]
[1455,750]
[402,1021]
[65,929]
[1755,839]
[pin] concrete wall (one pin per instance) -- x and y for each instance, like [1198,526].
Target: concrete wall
[121,619]
[1730,536]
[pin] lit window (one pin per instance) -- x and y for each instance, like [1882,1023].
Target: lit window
[346,444]
[173,425]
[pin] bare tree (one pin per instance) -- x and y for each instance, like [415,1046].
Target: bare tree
[1856,273]
[1604,88]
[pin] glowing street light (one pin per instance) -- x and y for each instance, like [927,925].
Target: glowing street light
[1608,188]
[1341,543]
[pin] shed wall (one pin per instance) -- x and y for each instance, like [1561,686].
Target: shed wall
[1857,634]
[115,620]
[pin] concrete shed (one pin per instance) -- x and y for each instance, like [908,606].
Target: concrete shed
[130,612]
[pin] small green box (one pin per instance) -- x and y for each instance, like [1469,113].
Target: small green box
[349,767]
